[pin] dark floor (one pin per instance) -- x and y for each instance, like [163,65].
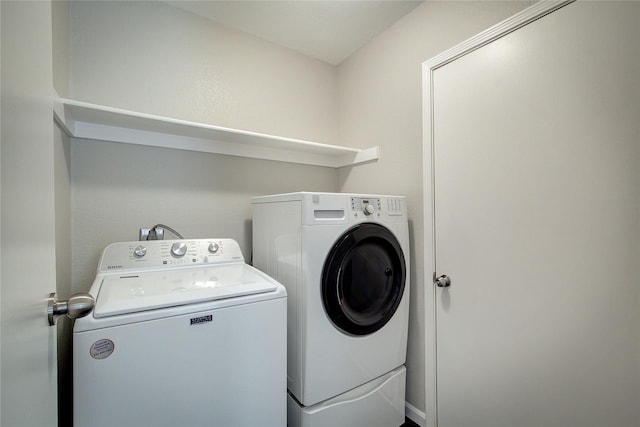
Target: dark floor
[409,423]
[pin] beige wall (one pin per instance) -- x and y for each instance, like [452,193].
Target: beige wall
[118,188]
[158,59]
[151,57]
[60,46]
[155,58]
[380,103]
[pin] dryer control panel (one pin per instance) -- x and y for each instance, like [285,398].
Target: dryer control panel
[375,206]
[152,254]
[368,206]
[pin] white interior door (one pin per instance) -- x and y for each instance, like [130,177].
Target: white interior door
[28,356]
[536,157]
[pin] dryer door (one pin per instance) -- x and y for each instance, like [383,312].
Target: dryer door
[363,279]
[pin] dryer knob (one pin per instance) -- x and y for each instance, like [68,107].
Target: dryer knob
[368,209]
[178,249]
[213,248]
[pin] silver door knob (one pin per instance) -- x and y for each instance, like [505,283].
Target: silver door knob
[443,281]
[79,305]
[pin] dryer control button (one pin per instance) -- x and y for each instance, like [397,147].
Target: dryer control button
[178,249]
[213,248]
[368,209]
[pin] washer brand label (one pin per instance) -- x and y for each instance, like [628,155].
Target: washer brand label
[113,267]
[102,349]
[202,319]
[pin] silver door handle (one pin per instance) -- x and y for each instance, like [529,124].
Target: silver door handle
[79,305]
[443,281]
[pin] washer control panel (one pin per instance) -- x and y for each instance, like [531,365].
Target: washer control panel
[153,254]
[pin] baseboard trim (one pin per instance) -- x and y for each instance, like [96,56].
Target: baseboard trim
[415,415]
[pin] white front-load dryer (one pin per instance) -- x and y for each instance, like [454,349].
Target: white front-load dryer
[344,259]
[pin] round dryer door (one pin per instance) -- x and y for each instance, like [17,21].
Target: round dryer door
[363,279]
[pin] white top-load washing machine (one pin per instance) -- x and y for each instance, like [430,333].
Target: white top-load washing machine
[344,259]
[183,333]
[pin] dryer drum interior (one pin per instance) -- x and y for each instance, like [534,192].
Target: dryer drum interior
[363,279]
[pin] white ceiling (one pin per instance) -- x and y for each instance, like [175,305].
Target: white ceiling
[329,30]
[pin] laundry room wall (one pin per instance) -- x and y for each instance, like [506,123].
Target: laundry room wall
[154,58]
[157,59]
[380,104]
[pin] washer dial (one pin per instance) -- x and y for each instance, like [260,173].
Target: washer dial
[178,249]
[139,251]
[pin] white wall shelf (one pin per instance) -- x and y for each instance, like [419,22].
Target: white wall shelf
[91,121]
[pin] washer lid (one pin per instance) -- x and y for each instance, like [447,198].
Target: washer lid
[131,293]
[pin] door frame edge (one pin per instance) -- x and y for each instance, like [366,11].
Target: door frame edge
[429,67]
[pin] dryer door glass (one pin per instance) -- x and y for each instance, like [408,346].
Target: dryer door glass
[363,279]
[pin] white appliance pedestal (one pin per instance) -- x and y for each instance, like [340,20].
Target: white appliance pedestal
[378,403]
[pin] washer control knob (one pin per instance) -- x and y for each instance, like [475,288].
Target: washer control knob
[178,249]
[213,248]
[368,209]
[139,251]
